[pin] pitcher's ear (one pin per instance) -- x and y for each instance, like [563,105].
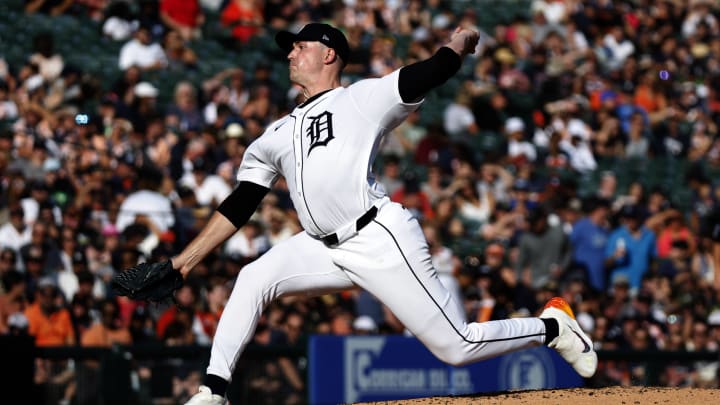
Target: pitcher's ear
[330,56]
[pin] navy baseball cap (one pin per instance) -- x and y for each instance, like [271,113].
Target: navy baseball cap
[317,32]
[631,211]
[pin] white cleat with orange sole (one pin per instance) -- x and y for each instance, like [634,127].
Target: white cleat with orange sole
[572,343]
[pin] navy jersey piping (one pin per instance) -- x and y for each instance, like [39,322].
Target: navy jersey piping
[407,263]
[302,158]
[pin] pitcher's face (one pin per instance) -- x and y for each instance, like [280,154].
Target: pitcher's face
[306,61]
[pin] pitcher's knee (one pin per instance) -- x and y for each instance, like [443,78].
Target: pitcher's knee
[453,356]
[254,278]
[254,284]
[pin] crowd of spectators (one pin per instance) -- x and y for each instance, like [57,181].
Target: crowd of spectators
[563,86]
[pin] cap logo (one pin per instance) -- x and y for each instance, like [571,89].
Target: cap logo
[323,33]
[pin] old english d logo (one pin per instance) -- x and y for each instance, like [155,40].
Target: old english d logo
[320,130]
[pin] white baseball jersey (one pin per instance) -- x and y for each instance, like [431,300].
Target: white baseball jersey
[325,147]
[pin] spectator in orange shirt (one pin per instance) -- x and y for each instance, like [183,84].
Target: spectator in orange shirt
[49,321]
[109,330]
[106,332]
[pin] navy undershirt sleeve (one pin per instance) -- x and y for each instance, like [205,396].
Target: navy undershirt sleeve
[418,78]
[242,202]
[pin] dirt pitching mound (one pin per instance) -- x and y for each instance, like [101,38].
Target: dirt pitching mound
[579,396]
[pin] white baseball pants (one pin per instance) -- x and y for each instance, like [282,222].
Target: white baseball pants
[388,258]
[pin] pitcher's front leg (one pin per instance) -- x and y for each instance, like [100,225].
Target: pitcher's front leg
[300,264]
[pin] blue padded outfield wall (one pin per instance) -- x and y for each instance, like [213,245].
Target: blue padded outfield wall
[377,368]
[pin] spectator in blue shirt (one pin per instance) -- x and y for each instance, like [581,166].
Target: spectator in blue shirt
[631,247]
[589,239]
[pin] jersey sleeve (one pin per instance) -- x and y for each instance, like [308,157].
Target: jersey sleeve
[378,100]
[255,166]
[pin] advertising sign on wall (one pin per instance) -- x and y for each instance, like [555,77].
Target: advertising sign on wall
[377,368]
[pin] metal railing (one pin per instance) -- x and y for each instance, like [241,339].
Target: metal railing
[156,374]
[136,374]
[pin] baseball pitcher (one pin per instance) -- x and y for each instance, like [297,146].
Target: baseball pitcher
[354,235]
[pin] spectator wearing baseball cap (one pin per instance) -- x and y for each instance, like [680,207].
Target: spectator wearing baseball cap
[713,321]
[142,52]
[518,147]
[108,331]
[410,194]
[17,324]
[364,325]
[75,261]
[39,195]
[544,250]
[631,247]
[8,262]
[210,189]
[145,90]
[49,323]
[588,237]
[147,200]
[678,259]
[521,197]
[14,233]
[43,248]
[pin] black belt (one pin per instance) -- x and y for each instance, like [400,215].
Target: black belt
[332,239]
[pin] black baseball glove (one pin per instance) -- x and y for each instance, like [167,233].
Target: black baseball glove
[154,282]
